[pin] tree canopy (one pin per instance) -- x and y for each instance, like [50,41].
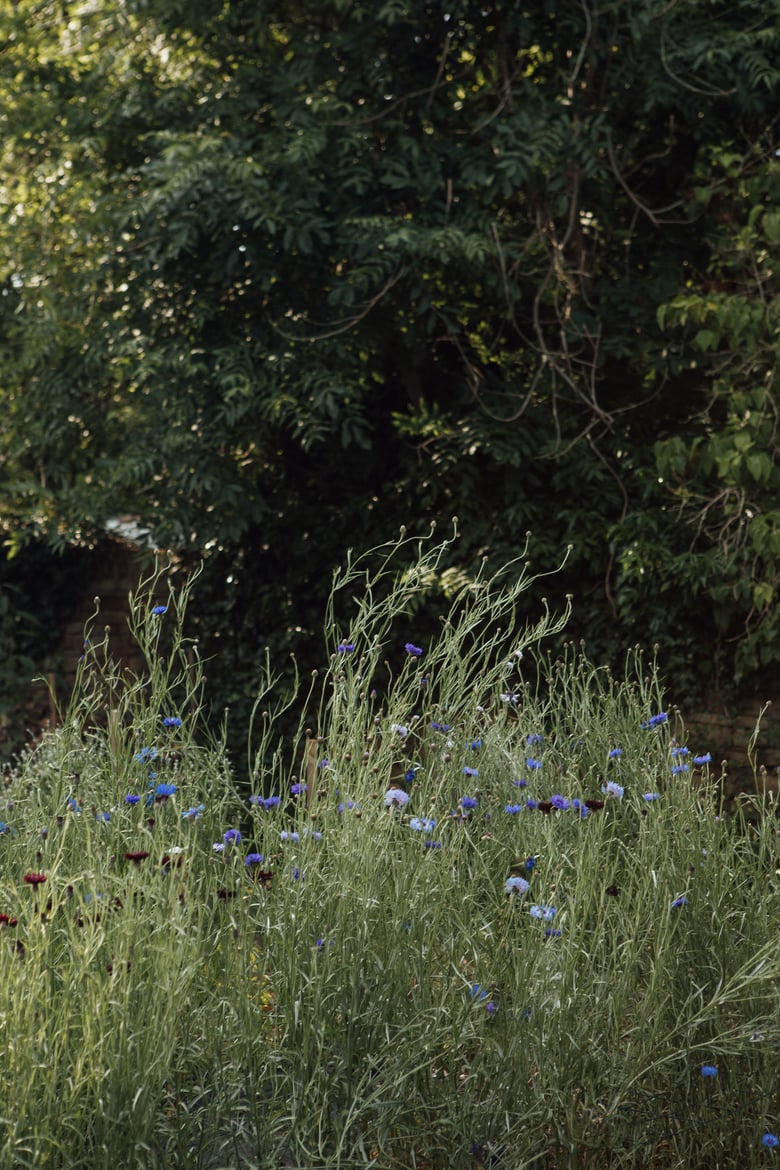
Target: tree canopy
[277,277]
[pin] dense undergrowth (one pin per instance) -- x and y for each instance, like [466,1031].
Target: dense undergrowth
[488,912]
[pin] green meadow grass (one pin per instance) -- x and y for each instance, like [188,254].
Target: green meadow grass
[369,993]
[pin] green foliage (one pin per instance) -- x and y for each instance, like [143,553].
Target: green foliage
[277,278]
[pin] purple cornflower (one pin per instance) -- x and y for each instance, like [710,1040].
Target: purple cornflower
[297,789]
[651,796]
[615,753]
[345,647]
[440,726]
[132,798]
[513,808]
[470,771]
[289,836]
[468,802]
[253,859]
[559,802]
[414,651]
[231,836]
[705,759]
[432,845]
[546,913]
[172,721]
[678,769]
[533,764]
[516,885]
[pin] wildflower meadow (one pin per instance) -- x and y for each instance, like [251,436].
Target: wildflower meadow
[485,908]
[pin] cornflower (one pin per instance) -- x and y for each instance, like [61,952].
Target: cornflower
[613,789]
[412,650]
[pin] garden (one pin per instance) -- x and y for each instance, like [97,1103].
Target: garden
[482,907]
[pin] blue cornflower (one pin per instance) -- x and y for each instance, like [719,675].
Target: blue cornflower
[530,863]
[516,885]
[165,790]
[468,802]
[145,754]
[422,824]
[550,933]
[709,1070]
[651,796]
[513,808]
[615,753]
[192,814]
[324,763]
[531,803]
[289,836]
[613,789]
[678,902]
[534,765]
[580,807]
[158,609]
[171,721]
[470,771]
[491,1007]
[253,859]
[432,845]
[475,744]
[534,739]
[770,1140]
[410,775]
[679,768]
[396,798]
[520,783]
[231,836]
[132,798]
[680,751]
[654,720]
[705,759]
[218,847]
[345,647]
[559,802]
[476,991]
[439,726]
[103,816]
[546,913]
[297,789]
[414,651]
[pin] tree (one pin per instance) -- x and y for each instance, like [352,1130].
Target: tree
[279,276]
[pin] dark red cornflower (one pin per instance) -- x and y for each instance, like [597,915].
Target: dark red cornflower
[545,806]
[593,805]
[34,879]
[137,856]
[613,891]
